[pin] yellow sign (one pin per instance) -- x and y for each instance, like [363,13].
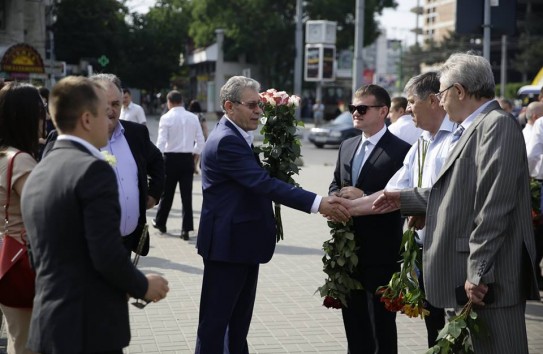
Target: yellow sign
[22,58]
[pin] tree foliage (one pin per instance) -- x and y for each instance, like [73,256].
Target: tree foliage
[144,49]
[264,30]
[154,45]
[343,12]
[89,29]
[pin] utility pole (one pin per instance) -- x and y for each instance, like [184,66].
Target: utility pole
[503,67]
[358,65]
[486,31]
[299,50]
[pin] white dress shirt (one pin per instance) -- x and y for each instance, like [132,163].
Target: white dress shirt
[133,113]
[438,148]
[405,129]
[126,171]
[534,149]
[179,131]
[527,132]
[372,141]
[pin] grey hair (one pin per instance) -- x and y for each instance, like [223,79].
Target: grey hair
[471,71]
[232,89]
[423,85]
[108,78]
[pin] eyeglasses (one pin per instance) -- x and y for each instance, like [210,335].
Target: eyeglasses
[361,108]
[439,95]
[251,105]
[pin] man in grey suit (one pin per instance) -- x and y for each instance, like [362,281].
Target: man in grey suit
[479,233]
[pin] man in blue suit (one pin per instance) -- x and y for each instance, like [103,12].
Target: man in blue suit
[237,228]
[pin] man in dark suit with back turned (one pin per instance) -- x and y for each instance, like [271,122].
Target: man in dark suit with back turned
[72,215]
[237,228]
[364,166]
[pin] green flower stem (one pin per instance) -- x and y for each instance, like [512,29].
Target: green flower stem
[278,222]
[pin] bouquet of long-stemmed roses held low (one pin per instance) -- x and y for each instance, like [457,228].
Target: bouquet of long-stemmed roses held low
[402,293]
[339,264]
[281,145]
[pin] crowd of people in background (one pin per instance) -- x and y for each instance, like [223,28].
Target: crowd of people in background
[85,172]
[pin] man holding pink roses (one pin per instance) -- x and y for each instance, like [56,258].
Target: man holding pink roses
[237,227]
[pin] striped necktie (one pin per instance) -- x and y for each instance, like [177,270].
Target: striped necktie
[457,133]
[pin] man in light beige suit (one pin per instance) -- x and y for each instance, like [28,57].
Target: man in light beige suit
[479,234]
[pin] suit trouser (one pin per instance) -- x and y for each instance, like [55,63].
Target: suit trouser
[370,328]
[179,168]
[18,324]
[435,321]
[227,301]
[506,330]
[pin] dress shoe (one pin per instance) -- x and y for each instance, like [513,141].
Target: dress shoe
[185,235]
[162,229]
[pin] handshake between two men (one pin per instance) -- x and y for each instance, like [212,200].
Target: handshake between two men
[351,201]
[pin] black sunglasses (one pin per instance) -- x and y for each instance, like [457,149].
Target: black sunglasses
[361,108]
[251,105]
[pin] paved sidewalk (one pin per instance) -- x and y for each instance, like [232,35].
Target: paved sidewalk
[288,315]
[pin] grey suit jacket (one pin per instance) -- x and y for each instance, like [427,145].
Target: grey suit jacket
[478,216]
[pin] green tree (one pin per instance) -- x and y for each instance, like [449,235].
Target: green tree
[343,12]
[154,45]
[89,29]
[263,31]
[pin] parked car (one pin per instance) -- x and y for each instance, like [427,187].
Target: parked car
[335,132]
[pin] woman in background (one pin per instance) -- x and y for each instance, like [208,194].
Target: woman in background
[22,118]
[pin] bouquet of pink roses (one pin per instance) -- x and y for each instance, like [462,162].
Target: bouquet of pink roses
[281,145]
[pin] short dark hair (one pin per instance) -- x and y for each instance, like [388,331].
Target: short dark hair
[44,93]
[398,102]
[381,95]
[21,111]
[125,90]
[175,97]
[194,107]
[70,97]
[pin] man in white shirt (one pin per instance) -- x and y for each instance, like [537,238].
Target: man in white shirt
[180,138]
[533,112]
[402,124]
[424,160]
[534,149]
[130,111]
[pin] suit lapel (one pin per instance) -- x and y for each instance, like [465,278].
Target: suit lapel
[466,137]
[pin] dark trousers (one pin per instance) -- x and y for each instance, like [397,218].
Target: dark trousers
[435,321]
[227,301]
[179,168]
[369,327]
[538,232]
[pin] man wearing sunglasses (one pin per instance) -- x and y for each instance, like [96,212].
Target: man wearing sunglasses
[237,227]
[365,163]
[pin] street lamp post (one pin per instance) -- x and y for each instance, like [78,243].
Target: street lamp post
[358,65]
